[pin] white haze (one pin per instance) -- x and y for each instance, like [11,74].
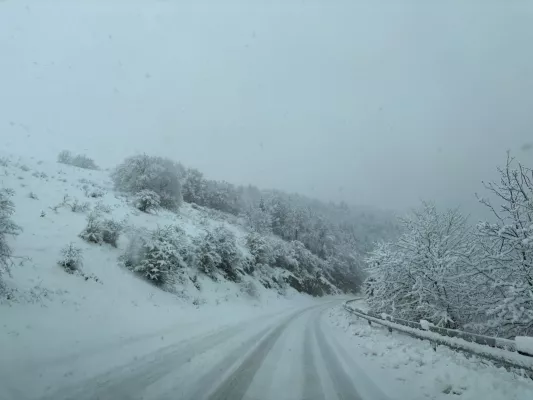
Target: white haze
[371,102]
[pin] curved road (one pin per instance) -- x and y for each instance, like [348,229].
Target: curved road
[289,357]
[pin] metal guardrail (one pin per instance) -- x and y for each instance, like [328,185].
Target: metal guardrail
[501,351]
[501,343]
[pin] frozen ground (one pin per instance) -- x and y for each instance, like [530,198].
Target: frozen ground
[413,370]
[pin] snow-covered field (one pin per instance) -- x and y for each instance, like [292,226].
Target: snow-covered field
[412,369]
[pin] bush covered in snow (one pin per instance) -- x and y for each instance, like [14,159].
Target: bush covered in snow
[218,251]
[249,288]
[157,174]
[285,256]
[7,228]
[73,204]
[159,257]
[101,231]
[79,160]
[71,258]
[147,201]
[101,207]
[260,249]
[133,254]
[78,207]
[207,259]
[93,192]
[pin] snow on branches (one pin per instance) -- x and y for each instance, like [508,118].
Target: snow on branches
[507,250]
[453,275]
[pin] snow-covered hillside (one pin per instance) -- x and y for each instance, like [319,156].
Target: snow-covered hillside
[106,300]
[52,204]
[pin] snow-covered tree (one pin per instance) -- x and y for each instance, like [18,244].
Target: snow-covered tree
[280,211]
[143,172]
[436,246]
[388,286]
[423,275]
[346,268]
[306,259]
[7,228]
[259,219]
[194,187]
[285,256]
[147,200]
[223,196]
[507,251]
[260,249]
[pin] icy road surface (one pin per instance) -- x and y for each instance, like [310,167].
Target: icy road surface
[289,356]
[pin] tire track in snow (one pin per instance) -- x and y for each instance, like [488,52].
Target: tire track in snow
[343,386]
[130,381]
[366,386]
[312,389]
[236,385]
[229,361]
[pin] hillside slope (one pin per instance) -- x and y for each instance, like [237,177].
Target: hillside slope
[46,311]
[53,202]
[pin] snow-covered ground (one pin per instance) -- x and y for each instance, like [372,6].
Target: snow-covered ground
[62,336]
[60,330]
[54,317]
[410,368]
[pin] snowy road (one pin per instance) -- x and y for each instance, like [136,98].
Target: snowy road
[292,356]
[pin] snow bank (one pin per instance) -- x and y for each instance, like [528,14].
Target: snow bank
[425,324]
[524,344]
[409,368]
[500,355]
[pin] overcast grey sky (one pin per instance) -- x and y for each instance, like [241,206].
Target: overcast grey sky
[371,102]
